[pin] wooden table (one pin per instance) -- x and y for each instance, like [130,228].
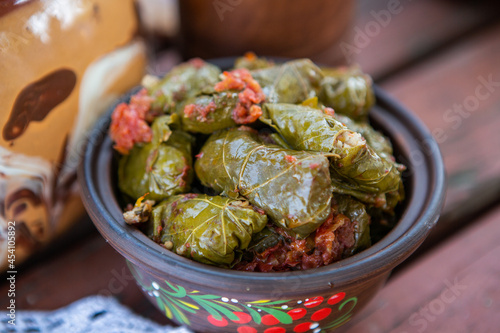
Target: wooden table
[437,58]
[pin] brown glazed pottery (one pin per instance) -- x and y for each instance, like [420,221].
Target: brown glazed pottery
[283,28]
[212,299]
[62,64]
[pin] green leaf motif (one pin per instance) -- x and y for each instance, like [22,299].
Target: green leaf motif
[222,310]
[255,315]
[209,309]
[282,316]
[178,292]
[181,305]
[230,306]
[171,308]
[204,296]
[345,317]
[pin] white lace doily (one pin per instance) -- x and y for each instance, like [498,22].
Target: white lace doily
[94,314]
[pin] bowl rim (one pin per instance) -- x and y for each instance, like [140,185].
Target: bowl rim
[381,257]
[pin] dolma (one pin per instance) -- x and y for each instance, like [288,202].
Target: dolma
[292,187]
[250,61]
[276,250]
[235,100]
[186,80]
[356,212]
[348,91]
[380,143]
[128,122]
[208,229]
[290,82]
[356,165]
[263,240]
[162,167]
[208,113]
[268,136]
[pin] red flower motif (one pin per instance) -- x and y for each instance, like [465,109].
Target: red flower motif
[321,314]
[246,329]
[336,298]
[297,313]
[217,322]
[304,327]
[243,317]
[275,329]
[269,320]
[315,301]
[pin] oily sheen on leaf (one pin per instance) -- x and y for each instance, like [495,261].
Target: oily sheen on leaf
[356,165]
[292,187]
[208,229]
[162,167]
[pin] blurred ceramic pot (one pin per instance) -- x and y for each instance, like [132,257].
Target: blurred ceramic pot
[61,64]
[282,28]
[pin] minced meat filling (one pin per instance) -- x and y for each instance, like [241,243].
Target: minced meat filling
[326,245]
[246,111]
[128,124]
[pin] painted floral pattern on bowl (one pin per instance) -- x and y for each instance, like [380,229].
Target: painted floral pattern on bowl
[314,314]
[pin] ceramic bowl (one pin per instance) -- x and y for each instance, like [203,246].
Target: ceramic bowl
[211,299]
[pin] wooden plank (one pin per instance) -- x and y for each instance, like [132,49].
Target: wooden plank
[451,94]
[391,34]
[453,289]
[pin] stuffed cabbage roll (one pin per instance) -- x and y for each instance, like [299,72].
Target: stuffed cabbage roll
[348,91]
[208,229]
[162,167]
[292,187]
[356,165]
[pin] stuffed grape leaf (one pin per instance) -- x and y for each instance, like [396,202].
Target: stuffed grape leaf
[347,90]
[292,187]
[250,61]
[208,113]
[183,81]
[356,212]
[382,145]
[234,100]
[263,240]
[290,82]
[208,229]
[162,167]
[356,165]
